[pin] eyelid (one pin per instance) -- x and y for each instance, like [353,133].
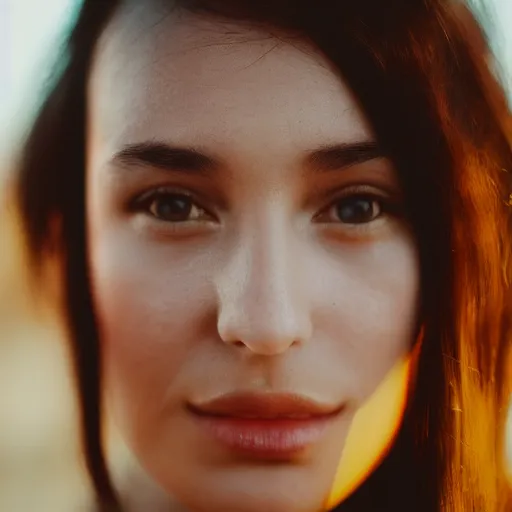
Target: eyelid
[386,198]
[155,191]
[360,190]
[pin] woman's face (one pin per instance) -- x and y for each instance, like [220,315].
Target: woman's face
[253,278]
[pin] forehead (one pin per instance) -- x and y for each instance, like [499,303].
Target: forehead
[159,73]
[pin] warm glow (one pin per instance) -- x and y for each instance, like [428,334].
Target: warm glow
[372,432]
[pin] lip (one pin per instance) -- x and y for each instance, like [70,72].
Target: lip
[268,426]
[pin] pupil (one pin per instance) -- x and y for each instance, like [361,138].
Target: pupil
[173,207]
[356,211]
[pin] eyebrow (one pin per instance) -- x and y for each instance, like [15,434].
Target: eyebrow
[190,160]
[167,157]
[340,156]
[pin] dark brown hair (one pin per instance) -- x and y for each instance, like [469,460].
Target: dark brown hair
[436,109]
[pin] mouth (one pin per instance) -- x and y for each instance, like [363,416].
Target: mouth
[265,426]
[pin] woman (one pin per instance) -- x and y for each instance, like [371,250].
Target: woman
[259,206]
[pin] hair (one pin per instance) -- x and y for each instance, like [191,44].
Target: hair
[418,70]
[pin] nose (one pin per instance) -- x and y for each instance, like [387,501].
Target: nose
[261,307]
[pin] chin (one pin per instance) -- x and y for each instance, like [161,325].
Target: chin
[243,493]
[240,502]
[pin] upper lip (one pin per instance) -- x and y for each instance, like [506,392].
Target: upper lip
[264,406]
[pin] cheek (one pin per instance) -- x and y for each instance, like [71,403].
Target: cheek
[372,316]
[148,310]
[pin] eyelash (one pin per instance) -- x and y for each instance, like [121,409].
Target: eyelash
[385,205]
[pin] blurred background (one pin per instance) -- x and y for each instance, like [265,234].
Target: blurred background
[40,468]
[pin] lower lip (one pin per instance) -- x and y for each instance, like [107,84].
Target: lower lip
[277,439]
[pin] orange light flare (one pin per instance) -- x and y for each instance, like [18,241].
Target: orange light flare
[366,445]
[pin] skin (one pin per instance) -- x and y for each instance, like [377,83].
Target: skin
[265,286]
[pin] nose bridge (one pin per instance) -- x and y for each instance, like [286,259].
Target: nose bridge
[261,306]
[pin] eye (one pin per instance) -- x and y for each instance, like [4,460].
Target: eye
[355,209]
[173,207]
